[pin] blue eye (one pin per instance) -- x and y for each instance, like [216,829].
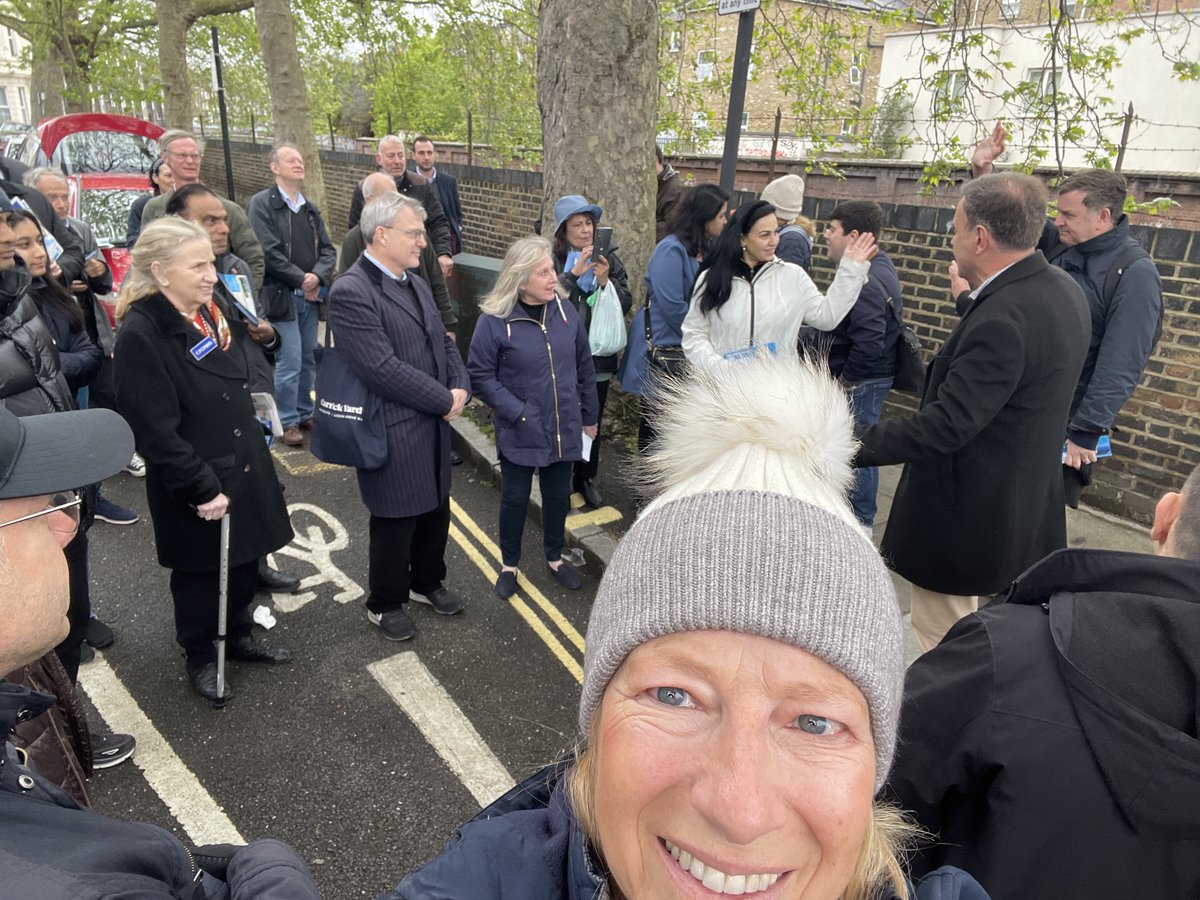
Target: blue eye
[818,725]
[672,696]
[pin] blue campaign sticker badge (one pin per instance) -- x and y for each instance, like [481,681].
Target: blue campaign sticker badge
[205,347]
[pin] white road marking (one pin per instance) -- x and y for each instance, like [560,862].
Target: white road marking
[443,724]
[192,806]
[310,546]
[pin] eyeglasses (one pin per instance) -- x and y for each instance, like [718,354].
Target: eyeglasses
[412,234]
[67,502]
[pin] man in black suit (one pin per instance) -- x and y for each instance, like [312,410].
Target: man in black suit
[446,185]
[981,495]
[385,319]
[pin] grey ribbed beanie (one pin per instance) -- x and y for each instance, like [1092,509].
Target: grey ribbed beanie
[753,535]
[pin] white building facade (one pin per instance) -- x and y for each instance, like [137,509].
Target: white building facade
[1165,134]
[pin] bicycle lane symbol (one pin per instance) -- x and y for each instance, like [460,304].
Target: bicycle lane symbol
[315,543]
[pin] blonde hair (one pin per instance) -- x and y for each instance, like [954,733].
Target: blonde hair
[807,225]
[159,242]
[519,262]
[890,835]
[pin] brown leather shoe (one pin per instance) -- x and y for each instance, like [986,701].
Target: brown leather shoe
[292,436]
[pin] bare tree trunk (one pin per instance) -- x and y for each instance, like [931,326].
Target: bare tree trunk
[597,88]
[289,96]
[174,18]
[46,83]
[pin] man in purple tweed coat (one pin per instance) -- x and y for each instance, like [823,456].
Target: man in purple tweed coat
[386,320]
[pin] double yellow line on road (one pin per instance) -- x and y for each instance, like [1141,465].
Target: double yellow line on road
[572,660]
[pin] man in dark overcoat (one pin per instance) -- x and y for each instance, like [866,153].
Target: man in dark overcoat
[981,496]
[385,319]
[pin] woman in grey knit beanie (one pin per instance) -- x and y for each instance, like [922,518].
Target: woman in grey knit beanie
[742,680]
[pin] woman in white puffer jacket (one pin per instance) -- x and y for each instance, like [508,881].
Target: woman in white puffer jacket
[746,301]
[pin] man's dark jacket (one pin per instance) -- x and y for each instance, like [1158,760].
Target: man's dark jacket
[981,498]
[51,849]
[1123,330]
[863,346]
[396,344]
[271,220]
[1050,739]
[446,186]
[412,185]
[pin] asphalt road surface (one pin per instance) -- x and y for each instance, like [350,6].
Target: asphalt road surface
[362,753]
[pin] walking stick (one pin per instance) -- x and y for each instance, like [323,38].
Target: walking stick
[222,610]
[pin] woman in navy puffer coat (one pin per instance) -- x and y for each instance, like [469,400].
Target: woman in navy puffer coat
[530,361]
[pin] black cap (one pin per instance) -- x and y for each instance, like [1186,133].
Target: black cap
[60,451]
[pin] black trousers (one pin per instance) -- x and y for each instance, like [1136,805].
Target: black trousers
[407,554]
[79,606]
[196,596]
[516,483]
[585,470]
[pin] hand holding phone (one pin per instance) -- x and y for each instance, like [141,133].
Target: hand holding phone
[602,242]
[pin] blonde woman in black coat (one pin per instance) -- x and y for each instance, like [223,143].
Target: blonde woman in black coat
[182,381]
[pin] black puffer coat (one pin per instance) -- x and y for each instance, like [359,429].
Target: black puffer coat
[31,379]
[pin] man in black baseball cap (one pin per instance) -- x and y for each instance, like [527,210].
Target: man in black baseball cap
[50,847]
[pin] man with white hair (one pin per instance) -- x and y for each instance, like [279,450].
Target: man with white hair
[385,319]
[392,161]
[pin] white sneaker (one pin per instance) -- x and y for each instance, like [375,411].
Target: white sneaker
[136,467]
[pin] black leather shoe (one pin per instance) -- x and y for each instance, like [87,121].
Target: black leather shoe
[270,581]
[252,649]
[204,682]
[591,494]
[455,459]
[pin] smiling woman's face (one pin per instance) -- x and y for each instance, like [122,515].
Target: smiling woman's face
[727,763]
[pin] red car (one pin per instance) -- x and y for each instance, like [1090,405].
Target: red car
[106,159]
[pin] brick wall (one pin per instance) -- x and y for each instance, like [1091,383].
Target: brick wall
[1158,439]
[499,205]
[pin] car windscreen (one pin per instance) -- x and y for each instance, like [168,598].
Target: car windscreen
[107,211]
[105,151]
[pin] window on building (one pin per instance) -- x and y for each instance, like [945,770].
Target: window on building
[23,103]
[1010,9]
[1074,9]
[14,46]
[847,127]
[952,88]
[675,41]
[5,112]
[745,121]
[706,61]
[1046,82]
[699,120]
[856,68]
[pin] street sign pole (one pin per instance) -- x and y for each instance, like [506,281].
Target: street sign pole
[219,88]
[737,90]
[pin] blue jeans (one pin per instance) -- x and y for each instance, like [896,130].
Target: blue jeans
[296,363]
[866,401]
